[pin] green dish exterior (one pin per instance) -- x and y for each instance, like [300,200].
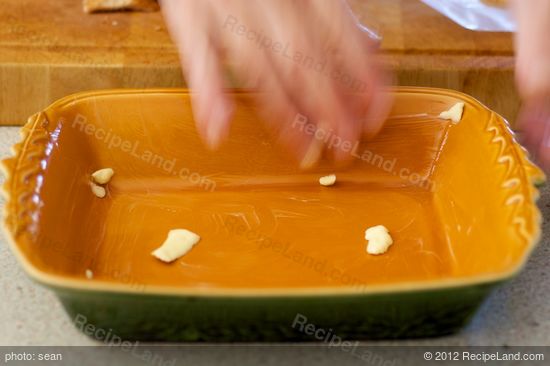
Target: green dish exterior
[145,317]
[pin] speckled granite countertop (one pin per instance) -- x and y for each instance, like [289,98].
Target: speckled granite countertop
[517,313]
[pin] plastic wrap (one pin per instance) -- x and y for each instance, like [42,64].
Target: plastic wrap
[475,14]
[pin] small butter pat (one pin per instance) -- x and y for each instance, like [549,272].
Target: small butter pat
[178,242]
[89,274]
[103,176]
[379,239]
[99,191]
[454,114]
[327,181]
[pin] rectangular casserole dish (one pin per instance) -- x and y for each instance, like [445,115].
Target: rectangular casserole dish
[276,247]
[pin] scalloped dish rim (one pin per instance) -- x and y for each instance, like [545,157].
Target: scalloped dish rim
[61,282]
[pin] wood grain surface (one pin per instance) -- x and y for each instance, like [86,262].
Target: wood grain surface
[51,48]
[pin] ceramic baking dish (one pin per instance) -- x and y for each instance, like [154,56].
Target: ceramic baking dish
[276,247]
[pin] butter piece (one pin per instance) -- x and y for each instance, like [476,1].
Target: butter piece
[379,239]
[328,180]
[89,274]
[98,191]
[103,176]
[177,244]
[454,114]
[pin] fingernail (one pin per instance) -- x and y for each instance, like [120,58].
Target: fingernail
[217,124]
[213,135]
[313,154]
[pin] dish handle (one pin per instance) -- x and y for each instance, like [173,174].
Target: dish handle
[22,171]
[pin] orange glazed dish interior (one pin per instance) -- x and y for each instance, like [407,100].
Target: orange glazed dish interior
[263,222]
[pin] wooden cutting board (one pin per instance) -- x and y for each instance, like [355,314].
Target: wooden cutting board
[51,48]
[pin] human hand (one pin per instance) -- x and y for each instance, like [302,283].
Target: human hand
[533,76]
[335,84]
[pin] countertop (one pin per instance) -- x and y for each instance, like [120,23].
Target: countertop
[517,313]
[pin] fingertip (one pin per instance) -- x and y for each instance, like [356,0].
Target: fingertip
[534,125]
[218,122]
[542,158]
[379,109]
[344,151]
[312,155]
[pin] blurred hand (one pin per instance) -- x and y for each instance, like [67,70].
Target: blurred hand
[307,59]
[533,76]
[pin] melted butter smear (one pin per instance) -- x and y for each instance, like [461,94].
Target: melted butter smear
[263,222]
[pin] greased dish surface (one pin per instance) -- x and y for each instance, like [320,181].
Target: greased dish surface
[458,200]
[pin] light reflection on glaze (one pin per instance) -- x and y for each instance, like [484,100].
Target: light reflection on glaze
[39,179]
